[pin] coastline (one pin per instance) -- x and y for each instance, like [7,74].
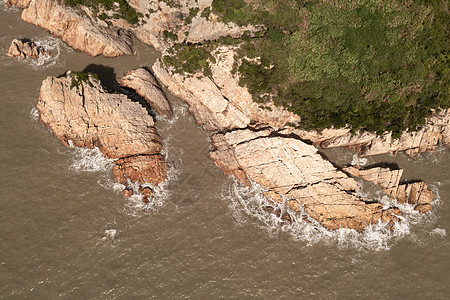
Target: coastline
[220,105]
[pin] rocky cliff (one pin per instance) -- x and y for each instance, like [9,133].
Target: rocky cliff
[76,108]
[294,173]
[219,103]
[78,30]
[159,25]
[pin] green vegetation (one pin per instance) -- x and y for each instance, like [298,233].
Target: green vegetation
[124,11]
[206,13]
[190,59]
[80,77]
[192,13]
[370,64]
[170,35]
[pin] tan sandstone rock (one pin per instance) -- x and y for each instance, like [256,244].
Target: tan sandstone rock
[415,193]
[146,86]
[79,31]
[81,112]
[22,48]
[218,102]
[290,168]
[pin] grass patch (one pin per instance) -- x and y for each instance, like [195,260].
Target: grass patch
[79,77]
[124,11]
[190,59]
[373,65]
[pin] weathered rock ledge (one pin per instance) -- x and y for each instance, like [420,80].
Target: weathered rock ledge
[414,193]
[80,32]
[23,48]
[79,110]
[146,86]
[294,173]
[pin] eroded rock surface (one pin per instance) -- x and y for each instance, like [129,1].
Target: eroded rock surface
[414,193]
[82,112]
[23,48]
[218,102]
[291,169]
[181,21]
[146,86]
[79,31]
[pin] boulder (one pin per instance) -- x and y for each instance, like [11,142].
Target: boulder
[79,111]
[23,49]
[146,86]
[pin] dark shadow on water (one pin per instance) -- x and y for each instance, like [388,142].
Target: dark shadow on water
[107,77]
[392,166]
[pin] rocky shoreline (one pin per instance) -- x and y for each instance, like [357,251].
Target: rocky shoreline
[251,142]
[80,112]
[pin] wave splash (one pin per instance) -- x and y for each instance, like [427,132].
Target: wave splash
[247,203]
[89,160]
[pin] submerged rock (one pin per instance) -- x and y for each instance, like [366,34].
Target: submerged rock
[146,86]
[24,48]
[76,108]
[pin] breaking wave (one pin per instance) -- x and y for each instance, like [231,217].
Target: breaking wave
[89,160]
[52,48]
[246,203]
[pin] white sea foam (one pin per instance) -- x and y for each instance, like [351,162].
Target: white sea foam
[110,234]
[358,161]
[439,231]
[245,202]
[52,51]
[89,160]
[34,114]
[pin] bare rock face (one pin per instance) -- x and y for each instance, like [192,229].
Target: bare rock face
[218,102]
[141,169]
[186,21]
[291,169]
[436,131]
[415,193]
[146,86]
[79,32]
[78,110]
[18,3]
[23,48]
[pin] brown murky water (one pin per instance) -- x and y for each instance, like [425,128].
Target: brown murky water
[203,239]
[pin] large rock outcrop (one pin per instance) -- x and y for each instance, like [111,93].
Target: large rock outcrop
[78,30]
[414,193]
[219,103]
[78,110]
[146,86]
[293,170]
[23,49]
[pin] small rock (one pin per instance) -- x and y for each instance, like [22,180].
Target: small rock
[23,49]
[127,193]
